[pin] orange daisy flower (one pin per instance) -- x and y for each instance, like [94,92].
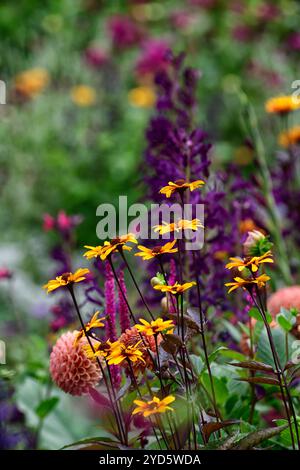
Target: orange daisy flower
[282,104]
[66,279]
[240,282]
[251,263]
[116,244]
[176,288]
[149,253]
[180,185]
[290,137]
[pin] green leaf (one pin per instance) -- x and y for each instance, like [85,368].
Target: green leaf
[285,324]
[46,406]
[197,363]
[264,352]
[254,313]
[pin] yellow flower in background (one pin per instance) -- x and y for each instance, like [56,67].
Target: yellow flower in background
[66,279]
[176,288]
[94,322]
[120,352]
[164,228]
[142,97]
[180,185]
[290,137]
[154,327]
[154,406]
[247,225]
[251,263]
[282,104]
[182,224]
[149,253]
[31,82]
[116,244]
[102,349]
[83,95]
[243,155]
[240,282]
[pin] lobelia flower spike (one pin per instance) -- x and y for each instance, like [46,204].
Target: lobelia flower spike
[110,306]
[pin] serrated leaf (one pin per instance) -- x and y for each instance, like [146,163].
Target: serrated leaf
[257,437]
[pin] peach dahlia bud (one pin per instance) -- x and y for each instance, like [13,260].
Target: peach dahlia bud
[70,368]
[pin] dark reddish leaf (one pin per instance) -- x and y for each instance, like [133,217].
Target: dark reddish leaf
[261,380]
[213,426]
[171,343]
[99,398]
[253,365]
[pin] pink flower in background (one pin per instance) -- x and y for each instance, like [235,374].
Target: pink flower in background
[5,273]
[123,31]
[48,222]
[64,222]
[287,297]
[268,11]
[181,19]
[153,57]
[96,56]
[293,41]
[70,368]
[242,33]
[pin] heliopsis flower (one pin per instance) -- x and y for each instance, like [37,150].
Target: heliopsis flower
[180,185]
[282,104]
[149,253]
[251,263]
[182,224]
[154,327]
[94,322]
[70,368]
[109,247]
[121,352]
[66,279]
[83,95]
[101,349]
[176,288]
[31,82]
[154,406]
[142,97]
[290,137]
[240,282]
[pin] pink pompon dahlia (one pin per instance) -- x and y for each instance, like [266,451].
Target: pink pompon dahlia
[70,368]
[287,297]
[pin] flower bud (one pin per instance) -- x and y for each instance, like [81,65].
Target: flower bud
[253,240]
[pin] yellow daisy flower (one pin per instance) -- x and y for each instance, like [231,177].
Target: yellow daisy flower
[102,349]
[182,224]
[251,263]
[142,97]
[180,185]
[66,279]
[282,104]
[116,244]
[31,82]
[290,137]
[149,253]
[120,352]
[154,406]
[240,282]
[83,95]
[176,288]
[94,322]
[154,327]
